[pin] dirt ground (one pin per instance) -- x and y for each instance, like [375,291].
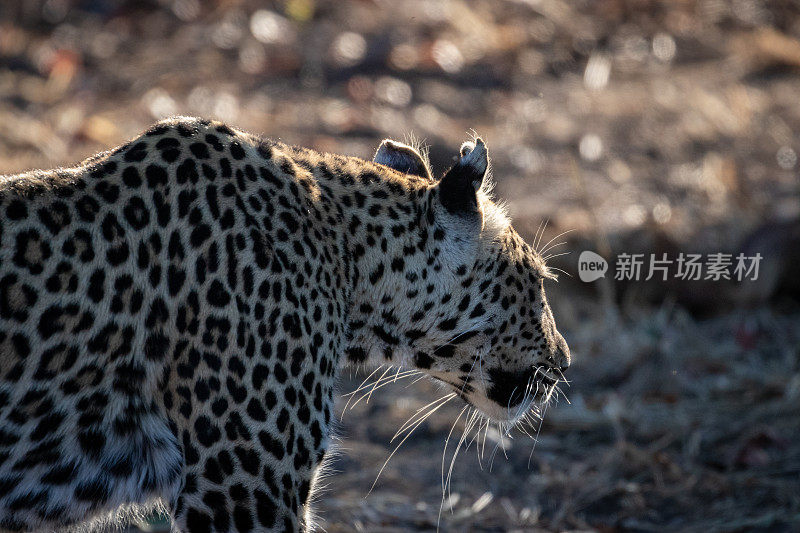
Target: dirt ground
[661,433]
[639,126]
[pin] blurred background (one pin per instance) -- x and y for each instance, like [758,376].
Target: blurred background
[638,126]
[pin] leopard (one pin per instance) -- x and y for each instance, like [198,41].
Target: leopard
[175,312]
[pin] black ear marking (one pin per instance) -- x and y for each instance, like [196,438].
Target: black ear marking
[402,158]
[459,186]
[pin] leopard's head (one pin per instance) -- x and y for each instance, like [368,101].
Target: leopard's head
[475,316]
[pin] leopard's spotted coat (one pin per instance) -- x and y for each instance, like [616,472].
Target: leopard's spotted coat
[173,314]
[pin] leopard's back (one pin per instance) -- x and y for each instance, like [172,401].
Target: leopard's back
[152,318]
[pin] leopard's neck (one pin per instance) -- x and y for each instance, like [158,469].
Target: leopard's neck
[381,229]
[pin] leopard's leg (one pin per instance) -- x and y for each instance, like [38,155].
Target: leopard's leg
[236,490]
[252,428]
[249,468]
[64,471]
[244,466]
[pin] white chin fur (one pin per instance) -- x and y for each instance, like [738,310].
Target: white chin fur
[499,413]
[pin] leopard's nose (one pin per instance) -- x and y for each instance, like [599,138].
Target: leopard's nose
[561,356]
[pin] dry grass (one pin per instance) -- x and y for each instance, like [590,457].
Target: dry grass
[672,424]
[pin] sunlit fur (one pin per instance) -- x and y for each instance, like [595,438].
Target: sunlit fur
[516,334]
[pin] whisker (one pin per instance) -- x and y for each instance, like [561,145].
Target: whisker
[539,239]
[560,270]
[552,246]
[400,375]
[561,376]
[365,380]
[448,398]
[388,369]
[447,441]
[352,394]
[411,420]
[420,378]
[369,396]
[483,447]
[521,427]
[552,256]
[536,236]
[554,238]
[494,451]
[382,383]
[474,419]
[536,439]
[446,488]
[558,390]
[523,405]
[503,446]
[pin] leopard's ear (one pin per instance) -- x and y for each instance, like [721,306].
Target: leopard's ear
[458,189]
[402,157]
